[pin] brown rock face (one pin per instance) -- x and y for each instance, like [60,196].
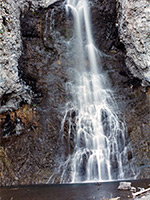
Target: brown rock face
[133,100]
[28,136]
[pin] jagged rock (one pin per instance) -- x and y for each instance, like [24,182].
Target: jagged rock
[10,50]
[38,68]
[134,30]
[10,84]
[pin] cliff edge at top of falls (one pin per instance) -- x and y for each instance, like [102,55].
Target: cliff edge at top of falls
[13,90]
[134,30]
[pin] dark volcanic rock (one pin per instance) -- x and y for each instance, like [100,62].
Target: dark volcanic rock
[103,23]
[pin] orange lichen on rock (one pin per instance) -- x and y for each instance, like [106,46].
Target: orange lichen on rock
[26,113]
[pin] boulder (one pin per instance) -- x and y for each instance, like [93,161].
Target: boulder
[124,186]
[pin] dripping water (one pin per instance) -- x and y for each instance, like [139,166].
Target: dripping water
[92,136]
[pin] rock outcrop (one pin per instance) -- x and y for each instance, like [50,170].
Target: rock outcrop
[134,30]
[29,157]
[13,90]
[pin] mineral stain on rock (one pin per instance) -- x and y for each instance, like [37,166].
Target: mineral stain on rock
[13,123]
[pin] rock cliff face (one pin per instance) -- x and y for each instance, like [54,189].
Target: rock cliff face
[34,70]
[39,72]
[134,30]
[133,100]
[20,92]
[13,90]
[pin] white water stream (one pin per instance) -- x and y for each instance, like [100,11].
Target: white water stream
[91,133]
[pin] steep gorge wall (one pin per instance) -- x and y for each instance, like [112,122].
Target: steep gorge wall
[134,32]
[131,88]
[31,92]
[34,70]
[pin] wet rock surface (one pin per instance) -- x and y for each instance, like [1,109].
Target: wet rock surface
[133,99]
[29,132]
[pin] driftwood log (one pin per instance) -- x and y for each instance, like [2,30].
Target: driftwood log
[140,192]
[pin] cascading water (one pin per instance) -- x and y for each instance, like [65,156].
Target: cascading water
[92,136]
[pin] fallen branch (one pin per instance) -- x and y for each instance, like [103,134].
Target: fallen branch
[140,192]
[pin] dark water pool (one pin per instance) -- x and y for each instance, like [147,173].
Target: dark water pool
[87,191]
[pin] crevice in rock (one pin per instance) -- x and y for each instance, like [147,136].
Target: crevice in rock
[4,21]
[8,128]
[5,98]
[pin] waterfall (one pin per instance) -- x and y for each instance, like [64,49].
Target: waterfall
[92,136]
